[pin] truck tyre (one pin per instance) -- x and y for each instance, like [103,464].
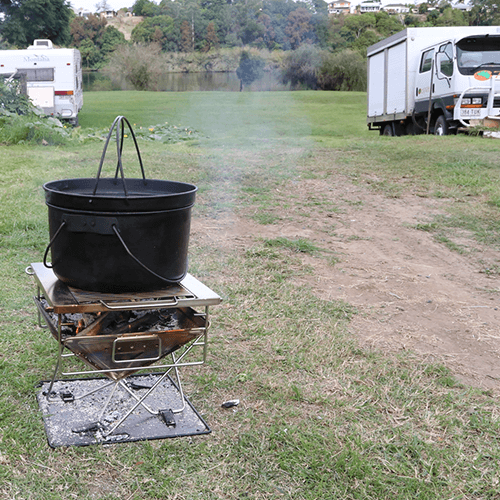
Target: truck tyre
[441,126]
[388,130]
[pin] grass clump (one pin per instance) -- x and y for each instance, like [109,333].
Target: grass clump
[299,245]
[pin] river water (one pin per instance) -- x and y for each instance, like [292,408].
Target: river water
[189,82]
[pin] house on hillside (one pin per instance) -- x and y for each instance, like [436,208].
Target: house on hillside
[82,12]
[107,14]
[396,8]
[369,6]
[339,7]
[463,7]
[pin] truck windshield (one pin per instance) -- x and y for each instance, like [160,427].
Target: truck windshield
[478,52]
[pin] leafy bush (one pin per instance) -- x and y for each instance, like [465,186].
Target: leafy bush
[301,66]
[141,65]
[21,121]
[250,69]
[344,70]
[312,68]
[33,128]
[162,132]
[11,99]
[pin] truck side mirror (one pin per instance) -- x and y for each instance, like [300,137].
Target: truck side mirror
[444,64]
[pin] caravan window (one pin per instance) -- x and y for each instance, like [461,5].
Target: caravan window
[38,74]
[426,62]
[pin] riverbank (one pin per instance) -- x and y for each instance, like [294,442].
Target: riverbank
[219,60]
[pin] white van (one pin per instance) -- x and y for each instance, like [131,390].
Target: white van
[53,77]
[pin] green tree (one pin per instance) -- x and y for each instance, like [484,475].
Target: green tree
[95,39]
[299,28]
[146,8]
[90,53]
[110,40]
[250,69]
[344,70]
[386,24]
[91,28]
[187,44]
[451,17]
[158,29]
[301,66]
[27,20]
[211,39]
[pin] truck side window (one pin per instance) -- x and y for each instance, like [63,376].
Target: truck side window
[426,62]
[446,59]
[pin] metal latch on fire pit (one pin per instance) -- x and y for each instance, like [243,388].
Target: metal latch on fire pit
[168,417]
[67,396]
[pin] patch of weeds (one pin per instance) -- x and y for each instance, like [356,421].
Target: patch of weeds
[448,381]
[353,203]
[355,237]
[491,270]
[299,246]
[162,132]
[494,202]
[454,247]
[265,218]
[429,227]
[334,260]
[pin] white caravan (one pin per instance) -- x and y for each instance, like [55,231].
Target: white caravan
[435,80]
[53,77]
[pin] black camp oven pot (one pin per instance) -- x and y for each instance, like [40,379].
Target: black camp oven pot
[117,234]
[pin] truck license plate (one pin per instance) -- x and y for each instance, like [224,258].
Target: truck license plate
[470,112]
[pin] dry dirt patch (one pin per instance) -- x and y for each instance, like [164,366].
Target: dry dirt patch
[410,291]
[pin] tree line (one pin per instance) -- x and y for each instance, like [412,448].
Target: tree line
[313,43]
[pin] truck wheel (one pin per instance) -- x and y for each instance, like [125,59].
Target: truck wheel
[441,127]
[388,130]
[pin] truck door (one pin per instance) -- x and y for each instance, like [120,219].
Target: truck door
[444,74]
[423,81]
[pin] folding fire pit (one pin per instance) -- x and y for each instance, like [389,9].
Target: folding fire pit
[117,335]
[118,297]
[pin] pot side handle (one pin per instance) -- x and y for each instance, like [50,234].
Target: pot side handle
[166,280]
[45,263]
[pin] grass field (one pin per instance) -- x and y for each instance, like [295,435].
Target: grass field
[331,422]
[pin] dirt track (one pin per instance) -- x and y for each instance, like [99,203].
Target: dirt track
[410,291]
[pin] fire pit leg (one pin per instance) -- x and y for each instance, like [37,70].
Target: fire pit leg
[107,402]
[179,386]
[59,356]
[89,393]
[139,400]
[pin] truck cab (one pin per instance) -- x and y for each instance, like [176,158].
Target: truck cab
[435,80]
[457,80]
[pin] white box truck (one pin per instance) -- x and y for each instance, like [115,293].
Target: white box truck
[434,80]
[53,77]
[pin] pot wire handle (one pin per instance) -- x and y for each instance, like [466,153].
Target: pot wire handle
[45,263]
[119,148]
[166,280]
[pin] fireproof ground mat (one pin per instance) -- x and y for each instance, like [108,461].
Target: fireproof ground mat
[72,420]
